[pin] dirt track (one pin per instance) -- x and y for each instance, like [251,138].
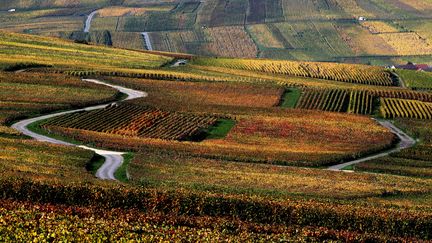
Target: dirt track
[405,142]
[113,159]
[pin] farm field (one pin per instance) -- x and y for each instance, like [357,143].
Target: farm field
[209,175]
[393,32]
[217,149]
[415,161]
[29,94]
[269,129]
[137,121]
[416,80]
[16,49]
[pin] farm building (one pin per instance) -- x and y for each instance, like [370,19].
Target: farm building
[417,67]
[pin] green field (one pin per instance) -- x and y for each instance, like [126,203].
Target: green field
[416,79]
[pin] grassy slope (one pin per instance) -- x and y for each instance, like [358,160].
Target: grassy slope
[17,48]
[290,98]
[416,79]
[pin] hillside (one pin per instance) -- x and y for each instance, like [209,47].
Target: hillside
[217,149]
[378,32]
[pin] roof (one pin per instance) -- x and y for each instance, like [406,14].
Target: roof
[415,67]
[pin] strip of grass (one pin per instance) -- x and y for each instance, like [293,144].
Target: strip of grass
[95,163]
[121,173]
[416,79]
[220,129]
[290,97]
[36,128]
[349,167]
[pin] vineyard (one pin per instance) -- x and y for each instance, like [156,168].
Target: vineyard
[135,121]
[218,149]
[35,93]
[331,71]
[339,100]
[326,100]
[414,161]
[392,108]
[230,42]
[361,102]
[394,102]
[265,139]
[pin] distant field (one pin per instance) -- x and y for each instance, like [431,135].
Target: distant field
[394,31]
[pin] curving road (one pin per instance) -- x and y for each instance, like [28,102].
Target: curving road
[89,20]
[113,159]
[405,142]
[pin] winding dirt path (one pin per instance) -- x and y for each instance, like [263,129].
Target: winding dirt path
[113,159]
[405,142]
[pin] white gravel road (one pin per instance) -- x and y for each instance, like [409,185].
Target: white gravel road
[113,159]
[405,142]
[89,20]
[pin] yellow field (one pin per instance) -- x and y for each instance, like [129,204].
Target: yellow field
[264,36]
[376,27]
[361,41]
[351,7]
[407,43]
[231,42]
[127,11]
[15,48]
[424,5]
[424,29]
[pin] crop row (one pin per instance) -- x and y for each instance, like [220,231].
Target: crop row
[49,222]
[326,100]
[330,71]
[133,120]
[361,102]
[394,103]
[370,220]
[159,75]
[391,108]
[339,100]
[402,94]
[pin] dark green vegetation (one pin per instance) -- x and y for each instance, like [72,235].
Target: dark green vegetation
[220,129]
[290,98]
[122,173]
[95,163]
